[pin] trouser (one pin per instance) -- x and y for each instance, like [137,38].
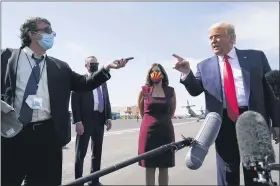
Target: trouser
[33,155]
[96,133]
[228,158]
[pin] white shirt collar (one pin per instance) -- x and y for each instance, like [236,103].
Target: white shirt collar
[232,54]
[30,52]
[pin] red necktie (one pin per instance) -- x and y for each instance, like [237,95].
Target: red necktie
[229,89]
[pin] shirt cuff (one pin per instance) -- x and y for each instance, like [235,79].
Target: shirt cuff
[106,68]
[184,76]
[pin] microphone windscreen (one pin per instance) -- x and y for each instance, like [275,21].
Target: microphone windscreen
[253,139]
[273,80]
[204,139]
[10,125]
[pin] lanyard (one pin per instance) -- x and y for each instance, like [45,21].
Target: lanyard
[37,80]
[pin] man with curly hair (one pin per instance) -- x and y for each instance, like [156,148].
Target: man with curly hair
[38,87]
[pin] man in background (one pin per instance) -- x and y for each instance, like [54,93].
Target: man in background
[91,110]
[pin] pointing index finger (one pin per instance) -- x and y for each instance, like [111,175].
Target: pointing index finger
[178,57]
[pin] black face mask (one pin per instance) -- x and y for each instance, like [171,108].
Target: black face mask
[93,67]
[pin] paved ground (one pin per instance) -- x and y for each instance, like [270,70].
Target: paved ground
[121,144]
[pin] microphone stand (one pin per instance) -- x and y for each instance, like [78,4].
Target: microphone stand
[175,146]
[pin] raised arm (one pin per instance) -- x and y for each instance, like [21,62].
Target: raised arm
[192,83]
[82,83]
[141,104]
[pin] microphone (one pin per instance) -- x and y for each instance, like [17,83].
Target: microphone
[273,80]
[10,125]
[204,139]
[255,146]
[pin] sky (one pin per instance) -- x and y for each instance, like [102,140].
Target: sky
[148,31]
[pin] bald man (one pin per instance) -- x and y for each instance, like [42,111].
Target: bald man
[233,82]
[91,112]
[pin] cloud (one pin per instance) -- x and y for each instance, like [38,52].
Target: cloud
[256,24]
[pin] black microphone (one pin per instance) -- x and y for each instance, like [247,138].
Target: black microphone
[255,146]
[273,80]
[205,138]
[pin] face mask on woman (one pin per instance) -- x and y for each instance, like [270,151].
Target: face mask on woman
[156,77]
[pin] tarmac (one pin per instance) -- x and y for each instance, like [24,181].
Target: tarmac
[120,143]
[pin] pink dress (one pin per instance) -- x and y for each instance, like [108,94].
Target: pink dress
[156,128]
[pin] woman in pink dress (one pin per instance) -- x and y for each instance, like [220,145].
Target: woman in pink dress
[157,104]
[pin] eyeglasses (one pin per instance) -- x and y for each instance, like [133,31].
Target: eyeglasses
[47,30]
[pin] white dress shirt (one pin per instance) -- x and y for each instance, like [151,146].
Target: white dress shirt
[237,75]
[23,73]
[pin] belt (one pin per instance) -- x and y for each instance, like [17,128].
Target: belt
[240,108]
[243,108]
[37,123]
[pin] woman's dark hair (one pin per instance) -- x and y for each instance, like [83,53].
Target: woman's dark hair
[165,81]
[30,24]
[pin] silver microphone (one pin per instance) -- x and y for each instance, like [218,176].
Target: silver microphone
[204,139]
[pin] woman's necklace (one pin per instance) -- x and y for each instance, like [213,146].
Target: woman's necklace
[157,92]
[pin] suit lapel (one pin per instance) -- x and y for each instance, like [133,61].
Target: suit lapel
[104,93]
[91,95]
[215,69]
[52,71]
[245,68]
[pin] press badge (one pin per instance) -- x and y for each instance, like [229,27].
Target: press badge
[37,103]
[34,102]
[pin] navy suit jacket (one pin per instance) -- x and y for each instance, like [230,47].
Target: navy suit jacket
[82,104]
[254,65]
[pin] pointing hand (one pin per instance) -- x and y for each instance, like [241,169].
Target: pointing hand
[181,64]
[116,64]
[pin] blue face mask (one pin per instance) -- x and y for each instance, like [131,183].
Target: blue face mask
[47,41]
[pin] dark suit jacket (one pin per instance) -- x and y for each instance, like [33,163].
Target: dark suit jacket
[82,104]
[254,65]
[61,81]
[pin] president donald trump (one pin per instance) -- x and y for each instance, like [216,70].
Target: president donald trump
[233,82]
